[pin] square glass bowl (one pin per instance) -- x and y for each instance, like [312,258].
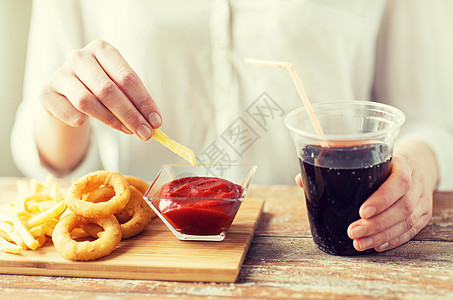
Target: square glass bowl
[198,219]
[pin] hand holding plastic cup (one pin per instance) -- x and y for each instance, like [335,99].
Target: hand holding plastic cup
[343,167]
[345,152]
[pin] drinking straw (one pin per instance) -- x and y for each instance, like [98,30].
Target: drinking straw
[292,71]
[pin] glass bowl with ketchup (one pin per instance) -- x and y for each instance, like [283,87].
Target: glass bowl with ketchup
[199,203]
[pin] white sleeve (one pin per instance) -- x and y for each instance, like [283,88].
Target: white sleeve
[411,74]
[55,30]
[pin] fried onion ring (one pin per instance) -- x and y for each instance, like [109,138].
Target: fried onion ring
[70,249]
[133,218]
[126,214]
[140,185]
[141,215]
[79,190]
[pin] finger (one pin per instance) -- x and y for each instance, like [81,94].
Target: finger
[402,208]
[382,237]
[398,212]
[69,86]
[298,180]
[59,107]
[409,224]
[406,236]
[396,185]
[117,68]
[96,80]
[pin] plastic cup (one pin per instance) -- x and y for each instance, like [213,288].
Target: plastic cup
[343,167]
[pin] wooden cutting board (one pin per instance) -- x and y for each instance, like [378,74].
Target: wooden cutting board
[155,254]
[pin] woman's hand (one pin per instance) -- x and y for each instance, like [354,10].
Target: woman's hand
[96,81]
[402,206]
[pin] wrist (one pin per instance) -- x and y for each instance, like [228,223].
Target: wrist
[61,147]
[420,155]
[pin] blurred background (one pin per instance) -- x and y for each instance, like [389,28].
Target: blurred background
[14,23]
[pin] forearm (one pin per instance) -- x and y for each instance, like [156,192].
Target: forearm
[61,147]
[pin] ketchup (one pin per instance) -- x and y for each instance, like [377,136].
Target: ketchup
[189,214]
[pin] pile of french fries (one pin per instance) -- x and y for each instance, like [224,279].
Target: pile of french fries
[26,222]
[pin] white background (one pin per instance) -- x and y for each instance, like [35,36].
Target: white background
[14,23]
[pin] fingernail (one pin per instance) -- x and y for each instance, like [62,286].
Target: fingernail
[368,212]
[125,129]
[357,232]
[384,246]
[144,132]
[154,119]
[366,243]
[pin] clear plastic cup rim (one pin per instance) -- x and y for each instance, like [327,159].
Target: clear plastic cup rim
[397,114]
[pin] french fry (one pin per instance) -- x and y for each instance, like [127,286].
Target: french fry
[39,234]
[38,207]
[47,215]
[13,235]
[174,146]
[66,212]
[49,226]
[26,222]
[6,236]
[55,193]
[36,231]
[24,215]
[42,239]
[25,234]
[9,247]
[6,227]
[37,197]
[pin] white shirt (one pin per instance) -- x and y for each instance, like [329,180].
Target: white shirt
[190,55]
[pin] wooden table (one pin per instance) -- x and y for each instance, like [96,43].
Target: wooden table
[283,262]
